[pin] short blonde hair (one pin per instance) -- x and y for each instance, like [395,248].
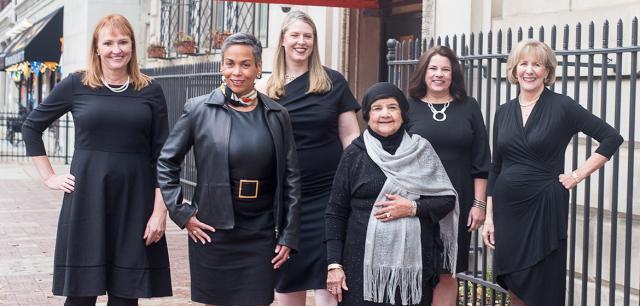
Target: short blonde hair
[319,81]
[538,49]
[93,75]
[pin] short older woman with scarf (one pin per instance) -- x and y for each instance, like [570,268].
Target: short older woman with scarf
[391,198]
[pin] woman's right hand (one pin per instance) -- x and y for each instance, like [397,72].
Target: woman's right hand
[336,282]
[196,230]
[64,182]
[488,233]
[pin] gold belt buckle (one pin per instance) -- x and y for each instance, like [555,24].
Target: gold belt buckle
[255,194]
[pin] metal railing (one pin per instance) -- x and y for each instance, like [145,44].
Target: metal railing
[604,200]
[209,22]
[57,138]
[180,83]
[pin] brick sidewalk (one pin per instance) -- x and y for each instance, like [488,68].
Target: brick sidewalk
[28,219]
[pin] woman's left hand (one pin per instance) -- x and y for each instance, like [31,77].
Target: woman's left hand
[567,181]
[155,227]
[396,207]
[476,218]
[282,254]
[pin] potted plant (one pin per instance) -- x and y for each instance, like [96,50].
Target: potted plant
[156,50]
[218,38]
[184,44]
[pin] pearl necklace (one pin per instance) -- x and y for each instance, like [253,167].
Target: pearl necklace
[122,87]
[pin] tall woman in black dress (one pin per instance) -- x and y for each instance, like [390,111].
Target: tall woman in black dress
[390,201]
[112,222]
[245,205]
[528,190]
[441,112]
[323,115]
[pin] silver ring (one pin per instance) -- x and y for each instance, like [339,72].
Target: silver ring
[388,215]
[194,232]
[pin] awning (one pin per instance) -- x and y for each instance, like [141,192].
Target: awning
[372,4]
[40,43]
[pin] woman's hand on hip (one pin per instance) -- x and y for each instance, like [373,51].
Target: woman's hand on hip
[156,226]
[488,234]
[336,282]
[396,207]
[64,182]
[476,218]
[197,230]
[282,254]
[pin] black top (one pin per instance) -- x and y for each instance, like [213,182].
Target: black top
[462,144]
[530,204]
[252,155]
[314,118]
[102,117]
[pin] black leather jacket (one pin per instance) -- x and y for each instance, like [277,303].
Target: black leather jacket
[205,125]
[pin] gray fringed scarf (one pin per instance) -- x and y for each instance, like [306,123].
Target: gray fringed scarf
[393,250]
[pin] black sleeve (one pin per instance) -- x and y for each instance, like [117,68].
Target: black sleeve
[339,207]
[56,104]
[347,101]
[480,154]
[496,162]
[434,208]
[291,191]
[172,155]
[160,125]
[586,122]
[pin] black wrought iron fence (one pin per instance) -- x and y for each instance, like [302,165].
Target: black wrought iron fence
[604,80]
[180,83]
[58,138]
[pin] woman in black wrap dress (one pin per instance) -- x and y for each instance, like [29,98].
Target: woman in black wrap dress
[527,210]
[323,116]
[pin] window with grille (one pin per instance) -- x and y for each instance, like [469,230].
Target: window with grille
[208,22]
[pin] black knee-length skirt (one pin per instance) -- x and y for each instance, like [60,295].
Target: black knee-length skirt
[235,268]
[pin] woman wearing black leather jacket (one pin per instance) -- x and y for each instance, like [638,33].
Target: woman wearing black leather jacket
[245,207]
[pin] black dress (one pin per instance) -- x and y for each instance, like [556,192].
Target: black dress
[235,268]
[118,136]
[314,118]
[530,205]
[357,183]
[462,144]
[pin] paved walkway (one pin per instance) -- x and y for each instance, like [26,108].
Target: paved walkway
[28,219]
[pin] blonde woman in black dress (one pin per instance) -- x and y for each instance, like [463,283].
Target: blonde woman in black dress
[323,116]
[528,204]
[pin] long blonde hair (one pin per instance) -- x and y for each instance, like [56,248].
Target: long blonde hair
[319,81]
[93,74]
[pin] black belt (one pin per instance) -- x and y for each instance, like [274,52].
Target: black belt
[252,189]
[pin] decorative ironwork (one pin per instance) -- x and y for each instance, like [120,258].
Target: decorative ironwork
[208,23]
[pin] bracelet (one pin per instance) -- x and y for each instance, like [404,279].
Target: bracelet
[414,208]
[334,266]
[575,177]
[479,204]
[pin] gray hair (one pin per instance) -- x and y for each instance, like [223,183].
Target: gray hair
[247,40]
